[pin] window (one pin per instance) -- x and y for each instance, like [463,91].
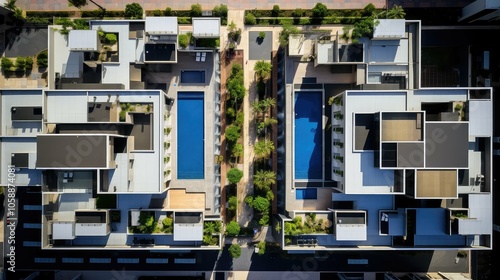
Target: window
[32,244]
[149,260]
[127,260]
[72,260]
[45,260]
[100,260]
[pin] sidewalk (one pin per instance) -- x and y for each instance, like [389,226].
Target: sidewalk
[57,5]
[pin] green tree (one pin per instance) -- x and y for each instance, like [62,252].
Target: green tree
[297,12]
[263,179]
[287,29]
[232,203]
[6,63]
[233,133]
[235,251]
[18,15]
[263,149]
[320,10]
[368,10]
[237,151]
[261,204]
[183,40]
[264,220]
[110,38]
[10,5]
[262,69]
[232,228]
[234,175]
[396,12]
[195,10]
[133,10]
[262,35]
[146,222]
[262,248]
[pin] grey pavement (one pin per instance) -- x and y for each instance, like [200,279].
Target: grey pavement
[26,42]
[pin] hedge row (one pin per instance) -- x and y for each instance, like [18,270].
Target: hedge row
[303,13]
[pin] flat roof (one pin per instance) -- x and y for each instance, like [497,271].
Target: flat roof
[437,183]
[401,126]
[206,27]
[447,145]
[74,151]
[161,25]
[83,40]
[389,29]
[160,52]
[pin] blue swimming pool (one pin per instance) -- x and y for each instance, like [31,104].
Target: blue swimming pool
[190,135]
[308,135]
[311,193]
[192,76]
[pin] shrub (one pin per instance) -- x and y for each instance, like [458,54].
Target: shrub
[264,221]
[262,247]
[297,12]
[250,19]
[232,203]
[6,63]
[232,133]
[237,150]
[133,10]
[234,175]
[167,225]
[261,204]
[29,63]
[110,38]
[235,251]
[183,41]
[232,228]
[157,13]
[169,12]
[220,11]
[320,10]
[262,35]
[195,10]
[276,11]
[20,63]
[249,200]
[42,59]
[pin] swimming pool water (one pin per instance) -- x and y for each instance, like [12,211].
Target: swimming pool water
[311,193]
[190,135]
[308,135]
[192,76]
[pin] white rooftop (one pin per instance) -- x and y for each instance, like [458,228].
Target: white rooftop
[206,27]
[188,232]
[389,29]
[161,25]
[63,230]
[83,40]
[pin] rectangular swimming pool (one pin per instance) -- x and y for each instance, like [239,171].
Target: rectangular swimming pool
[308,135]
[190,135]
[193,76]
[311,193]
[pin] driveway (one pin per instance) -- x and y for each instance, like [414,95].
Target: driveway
[25,41]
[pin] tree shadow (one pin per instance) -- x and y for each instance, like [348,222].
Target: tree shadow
[259,40]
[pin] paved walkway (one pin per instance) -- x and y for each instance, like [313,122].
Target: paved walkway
[62,5]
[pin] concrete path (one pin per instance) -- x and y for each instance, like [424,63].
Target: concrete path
[62,5]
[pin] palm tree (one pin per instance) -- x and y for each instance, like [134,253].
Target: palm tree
[263,149]
[263,179]
[10,5]
[262,69]
[396,12]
